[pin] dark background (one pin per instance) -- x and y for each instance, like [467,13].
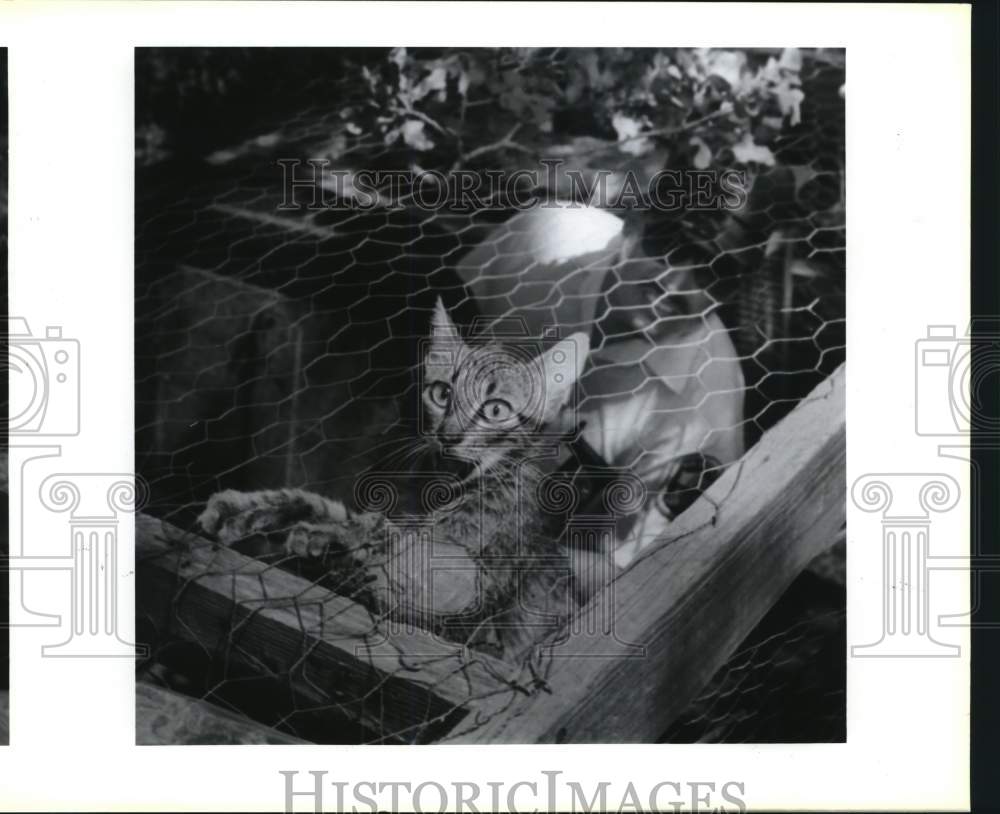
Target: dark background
[4,510]
[4,541]
[985,711]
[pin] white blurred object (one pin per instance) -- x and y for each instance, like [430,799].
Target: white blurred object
[658,384]
[645,407]
[545,266]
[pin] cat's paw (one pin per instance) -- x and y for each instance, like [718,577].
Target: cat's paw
[219,509]
[311,540]
[230,516]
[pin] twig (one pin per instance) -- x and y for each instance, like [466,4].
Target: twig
[663,131]
[416,114]
[506,142]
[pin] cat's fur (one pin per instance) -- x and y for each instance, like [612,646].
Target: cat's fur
[498,582]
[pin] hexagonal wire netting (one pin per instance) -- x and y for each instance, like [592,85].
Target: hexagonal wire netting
[276,346]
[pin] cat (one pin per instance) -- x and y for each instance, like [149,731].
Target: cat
[504,583]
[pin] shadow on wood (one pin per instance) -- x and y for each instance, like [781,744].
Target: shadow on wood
[689,601]
[403,685]
[630,662]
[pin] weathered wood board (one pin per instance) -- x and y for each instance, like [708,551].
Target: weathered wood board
[676,614]
[407,684]
[690,601]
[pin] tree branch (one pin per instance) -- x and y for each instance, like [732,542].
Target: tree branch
[506,143]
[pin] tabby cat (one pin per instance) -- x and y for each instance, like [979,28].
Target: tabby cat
[497,582]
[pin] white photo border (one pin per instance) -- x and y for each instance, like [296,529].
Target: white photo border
[71,264]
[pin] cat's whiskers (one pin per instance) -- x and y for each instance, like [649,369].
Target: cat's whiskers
[414,455]
[406,450]
[411,454]
[392,442]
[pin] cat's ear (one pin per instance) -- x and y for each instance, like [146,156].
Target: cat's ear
[562,365]
[441,325]
[444,346]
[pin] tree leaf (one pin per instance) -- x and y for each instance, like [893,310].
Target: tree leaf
[628,130]
[791,60]
[746,151]
[435,82]
[703,157]
[414,135]
[726,64]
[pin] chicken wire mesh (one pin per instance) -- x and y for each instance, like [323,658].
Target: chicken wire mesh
[277,344]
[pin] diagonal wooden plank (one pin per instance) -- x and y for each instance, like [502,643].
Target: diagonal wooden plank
[405,685]
[694,597]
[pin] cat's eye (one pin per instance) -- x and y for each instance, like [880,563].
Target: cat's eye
[439,393]
[497,410]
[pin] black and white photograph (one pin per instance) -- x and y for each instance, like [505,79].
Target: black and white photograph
[606,387]
[490,395]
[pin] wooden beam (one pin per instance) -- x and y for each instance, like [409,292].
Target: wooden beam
[164,717]
[691,600]
[405,686]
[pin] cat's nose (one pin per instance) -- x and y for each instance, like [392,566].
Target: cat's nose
[447,439]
